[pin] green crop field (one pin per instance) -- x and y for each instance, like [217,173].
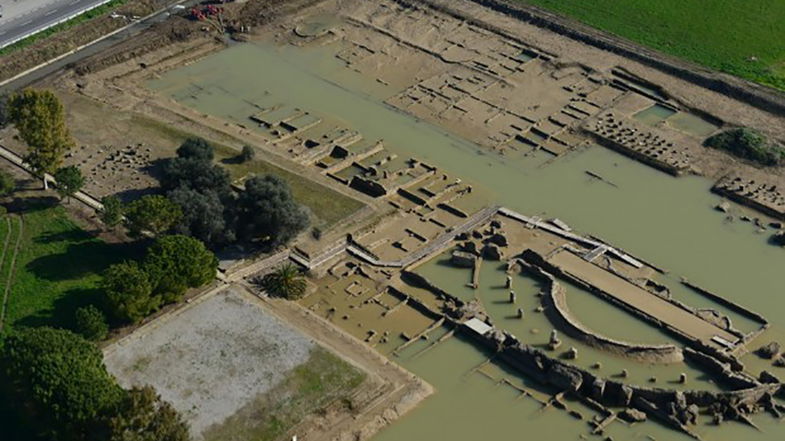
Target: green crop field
[741,37]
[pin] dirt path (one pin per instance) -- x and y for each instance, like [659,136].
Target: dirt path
[12,268]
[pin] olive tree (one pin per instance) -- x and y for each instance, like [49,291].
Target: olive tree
[267,211]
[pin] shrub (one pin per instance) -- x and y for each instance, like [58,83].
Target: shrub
[91,323]
[247,154]
[747,144]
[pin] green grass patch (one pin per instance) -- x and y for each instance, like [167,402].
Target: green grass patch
[87,16]
[321,381]
[743,38]
[58,268]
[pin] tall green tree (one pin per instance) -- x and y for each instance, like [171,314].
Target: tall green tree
[286,281]
[58,381]
[195,173]
[268,212]
[196,148]
[69,181]
[176,263]
[144,416]
[129,292]
[40,119]
[152,213]
[112,213]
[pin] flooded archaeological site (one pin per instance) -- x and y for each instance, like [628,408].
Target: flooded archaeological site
[548,244]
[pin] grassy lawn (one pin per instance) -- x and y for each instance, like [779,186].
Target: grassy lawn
[720,34]
[309,388]
[57,268]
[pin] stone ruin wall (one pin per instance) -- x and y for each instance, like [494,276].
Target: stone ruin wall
[533,258]
[557,310]
[676,408]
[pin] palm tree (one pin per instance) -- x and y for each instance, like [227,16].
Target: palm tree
[286,281]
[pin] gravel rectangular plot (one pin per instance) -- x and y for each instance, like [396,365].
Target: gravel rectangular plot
[212,358]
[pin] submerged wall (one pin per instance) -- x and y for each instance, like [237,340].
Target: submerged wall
[557,310]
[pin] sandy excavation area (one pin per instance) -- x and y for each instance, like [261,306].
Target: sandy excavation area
[502,83]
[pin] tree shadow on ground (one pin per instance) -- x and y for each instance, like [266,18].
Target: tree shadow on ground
[72,235]
[233,160]
[62,312]
[81,259]
[31,204]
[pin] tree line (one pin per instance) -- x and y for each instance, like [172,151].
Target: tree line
[55,387]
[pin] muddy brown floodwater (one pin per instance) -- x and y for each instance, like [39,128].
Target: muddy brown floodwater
[670,221]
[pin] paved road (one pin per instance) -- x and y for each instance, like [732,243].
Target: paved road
[134,29]
[22,18]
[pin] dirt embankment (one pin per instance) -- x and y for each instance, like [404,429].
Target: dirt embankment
[17,61]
